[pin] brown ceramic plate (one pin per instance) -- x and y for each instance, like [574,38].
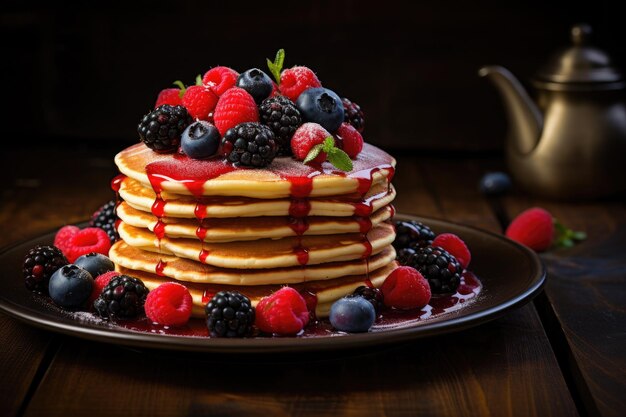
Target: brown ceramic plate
[511,275]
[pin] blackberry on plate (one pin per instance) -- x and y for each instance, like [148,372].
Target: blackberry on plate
[229,314]
[250,144]
[123,297]
[162,128]
[440,268]
[39,264]
[105,218]
[282,116]
[412,234]
[353,114]
[373,295]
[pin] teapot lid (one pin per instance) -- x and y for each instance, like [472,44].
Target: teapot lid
[580,63]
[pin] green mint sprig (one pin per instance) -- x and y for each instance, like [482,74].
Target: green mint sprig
[277,66]
[182,87]
[335,156]
[565,237]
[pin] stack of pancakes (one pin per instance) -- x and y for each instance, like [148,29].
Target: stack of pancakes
[213,227]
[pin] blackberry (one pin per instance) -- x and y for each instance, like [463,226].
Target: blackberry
[282,116]
[105,218]
[229,314]
[353,114]
[412,234]
[39,264]
[250,144]
[373,295]
[441,269]
[123,297]
[162,128]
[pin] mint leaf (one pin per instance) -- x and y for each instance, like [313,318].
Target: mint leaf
[579,235]
[340,159]
[198,79]
[329,144]
[313,153]
[182,87]
[277,66]
[566,237]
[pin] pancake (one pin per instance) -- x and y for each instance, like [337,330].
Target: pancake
[282,178]
[266,253]
[142,198]
[191,271]
[324,292]
[250,228]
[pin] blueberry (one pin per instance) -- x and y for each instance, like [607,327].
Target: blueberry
[70,286]
[322,106]
[495,183]
[352,315]
[200,140]
[257,83]
[95,263]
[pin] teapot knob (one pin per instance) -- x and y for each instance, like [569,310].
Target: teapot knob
[581,34]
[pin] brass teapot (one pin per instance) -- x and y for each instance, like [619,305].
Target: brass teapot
[571,143]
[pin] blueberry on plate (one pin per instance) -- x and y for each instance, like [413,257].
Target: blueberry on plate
[200,140]
[95,263]
[495,183]
[257,83]
[322,106]
[70,286]
[352,315]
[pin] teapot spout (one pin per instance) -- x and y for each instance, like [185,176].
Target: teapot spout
[525,119]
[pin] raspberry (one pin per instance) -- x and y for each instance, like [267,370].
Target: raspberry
[169,96]
[455,247]
[351,139]
[353,114]
[169,304]
[405,288]
[235,106]
[220,79]
[534,228]
[99,283]
[74,242]
[284,312]
[307,136]
[199,101]
[294,81]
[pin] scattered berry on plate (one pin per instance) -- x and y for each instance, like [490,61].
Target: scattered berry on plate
[161,129]
[75,242]
[282,116]
[353,114]
[220,79]
[99,283]
[305,138]
[294,81]
[39,264]
[229,314]
[70,286]
[169,304]
[534,228]
[440,268]
[351,140]
[282,313]
[257,83]
[494,183]
[352,315]
[250,144]
[371,294]
[405,288]
[322,106]
[412,234]
[169,96]
[234,107]
[123,298]
[455,246]
[95,263]
[199,101]
[106,218]
[200,140]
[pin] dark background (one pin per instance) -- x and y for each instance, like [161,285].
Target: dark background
[85,74]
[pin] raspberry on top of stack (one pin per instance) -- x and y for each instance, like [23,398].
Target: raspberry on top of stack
[247,183]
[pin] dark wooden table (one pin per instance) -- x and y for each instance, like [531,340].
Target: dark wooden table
[561,355]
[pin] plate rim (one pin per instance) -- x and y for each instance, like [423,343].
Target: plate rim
[286,344]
